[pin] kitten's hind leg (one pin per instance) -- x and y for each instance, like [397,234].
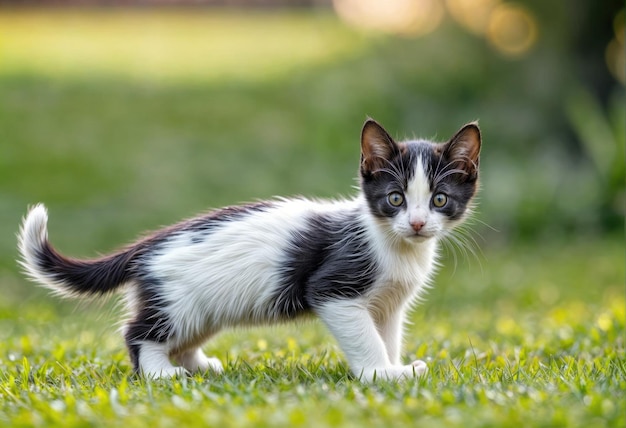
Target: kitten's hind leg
[153,361]
[194,360]
[148,332]
[149,350]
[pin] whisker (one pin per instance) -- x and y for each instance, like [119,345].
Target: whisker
[397,174]
[448,173]
[463,240]
[487,225]
[449,245]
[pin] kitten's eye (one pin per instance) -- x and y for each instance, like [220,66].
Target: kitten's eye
[395,199]
[440,200]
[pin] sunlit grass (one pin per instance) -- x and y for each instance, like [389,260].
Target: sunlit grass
[195,44]
[495,359]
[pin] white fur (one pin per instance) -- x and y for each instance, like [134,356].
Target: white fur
[154,361]
[194,360]
[32,235]
[202,299]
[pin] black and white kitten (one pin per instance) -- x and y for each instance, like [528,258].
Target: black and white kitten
[356,264]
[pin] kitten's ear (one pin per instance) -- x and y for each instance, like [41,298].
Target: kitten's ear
[463,149]
[377,147]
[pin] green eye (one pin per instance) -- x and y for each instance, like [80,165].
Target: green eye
[440,200]
[395,199]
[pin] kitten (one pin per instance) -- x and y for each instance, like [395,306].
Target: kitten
[356,264]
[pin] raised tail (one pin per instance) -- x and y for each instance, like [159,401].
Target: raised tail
[67,276]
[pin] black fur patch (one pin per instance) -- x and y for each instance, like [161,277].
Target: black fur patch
[328,259]
[445,178]
[393,178]
[97,276]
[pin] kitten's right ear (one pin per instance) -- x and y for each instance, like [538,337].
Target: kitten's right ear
[377,147]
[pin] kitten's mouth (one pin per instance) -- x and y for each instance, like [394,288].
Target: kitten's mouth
[420,236]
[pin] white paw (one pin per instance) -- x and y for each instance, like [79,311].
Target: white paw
[214,365]
[195,361]
[164,373]
[395,373]
[419,367]
[205,364]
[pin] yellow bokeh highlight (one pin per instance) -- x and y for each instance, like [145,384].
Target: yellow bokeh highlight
[605,321]
[472,14]
[512,29]
[407,17]
[509,28]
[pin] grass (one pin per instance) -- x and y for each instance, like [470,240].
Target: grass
[509,347]
[117,139]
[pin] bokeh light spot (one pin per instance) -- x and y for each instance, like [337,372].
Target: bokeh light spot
[512,29]
[472,14]
[408,17]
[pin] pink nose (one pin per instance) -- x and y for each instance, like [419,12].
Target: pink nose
[417,225]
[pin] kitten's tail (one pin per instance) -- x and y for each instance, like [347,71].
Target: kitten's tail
[67,276]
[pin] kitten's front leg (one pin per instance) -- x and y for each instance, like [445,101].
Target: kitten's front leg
[391,326]
[353,327]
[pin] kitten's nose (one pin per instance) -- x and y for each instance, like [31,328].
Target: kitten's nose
[417,225]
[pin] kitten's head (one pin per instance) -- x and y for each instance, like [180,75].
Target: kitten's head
[419,190]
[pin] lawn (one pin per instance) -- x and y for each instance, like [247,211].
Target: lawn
[122,122]
[534,338]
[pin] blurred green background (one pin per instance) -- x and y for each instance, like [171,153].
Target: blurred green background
[126,119]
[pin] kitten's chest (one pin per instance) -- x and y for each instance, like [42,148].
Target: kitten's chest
[404,274]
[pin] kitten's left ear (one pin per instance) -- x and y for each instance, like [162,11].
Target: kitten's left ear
[463,149]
